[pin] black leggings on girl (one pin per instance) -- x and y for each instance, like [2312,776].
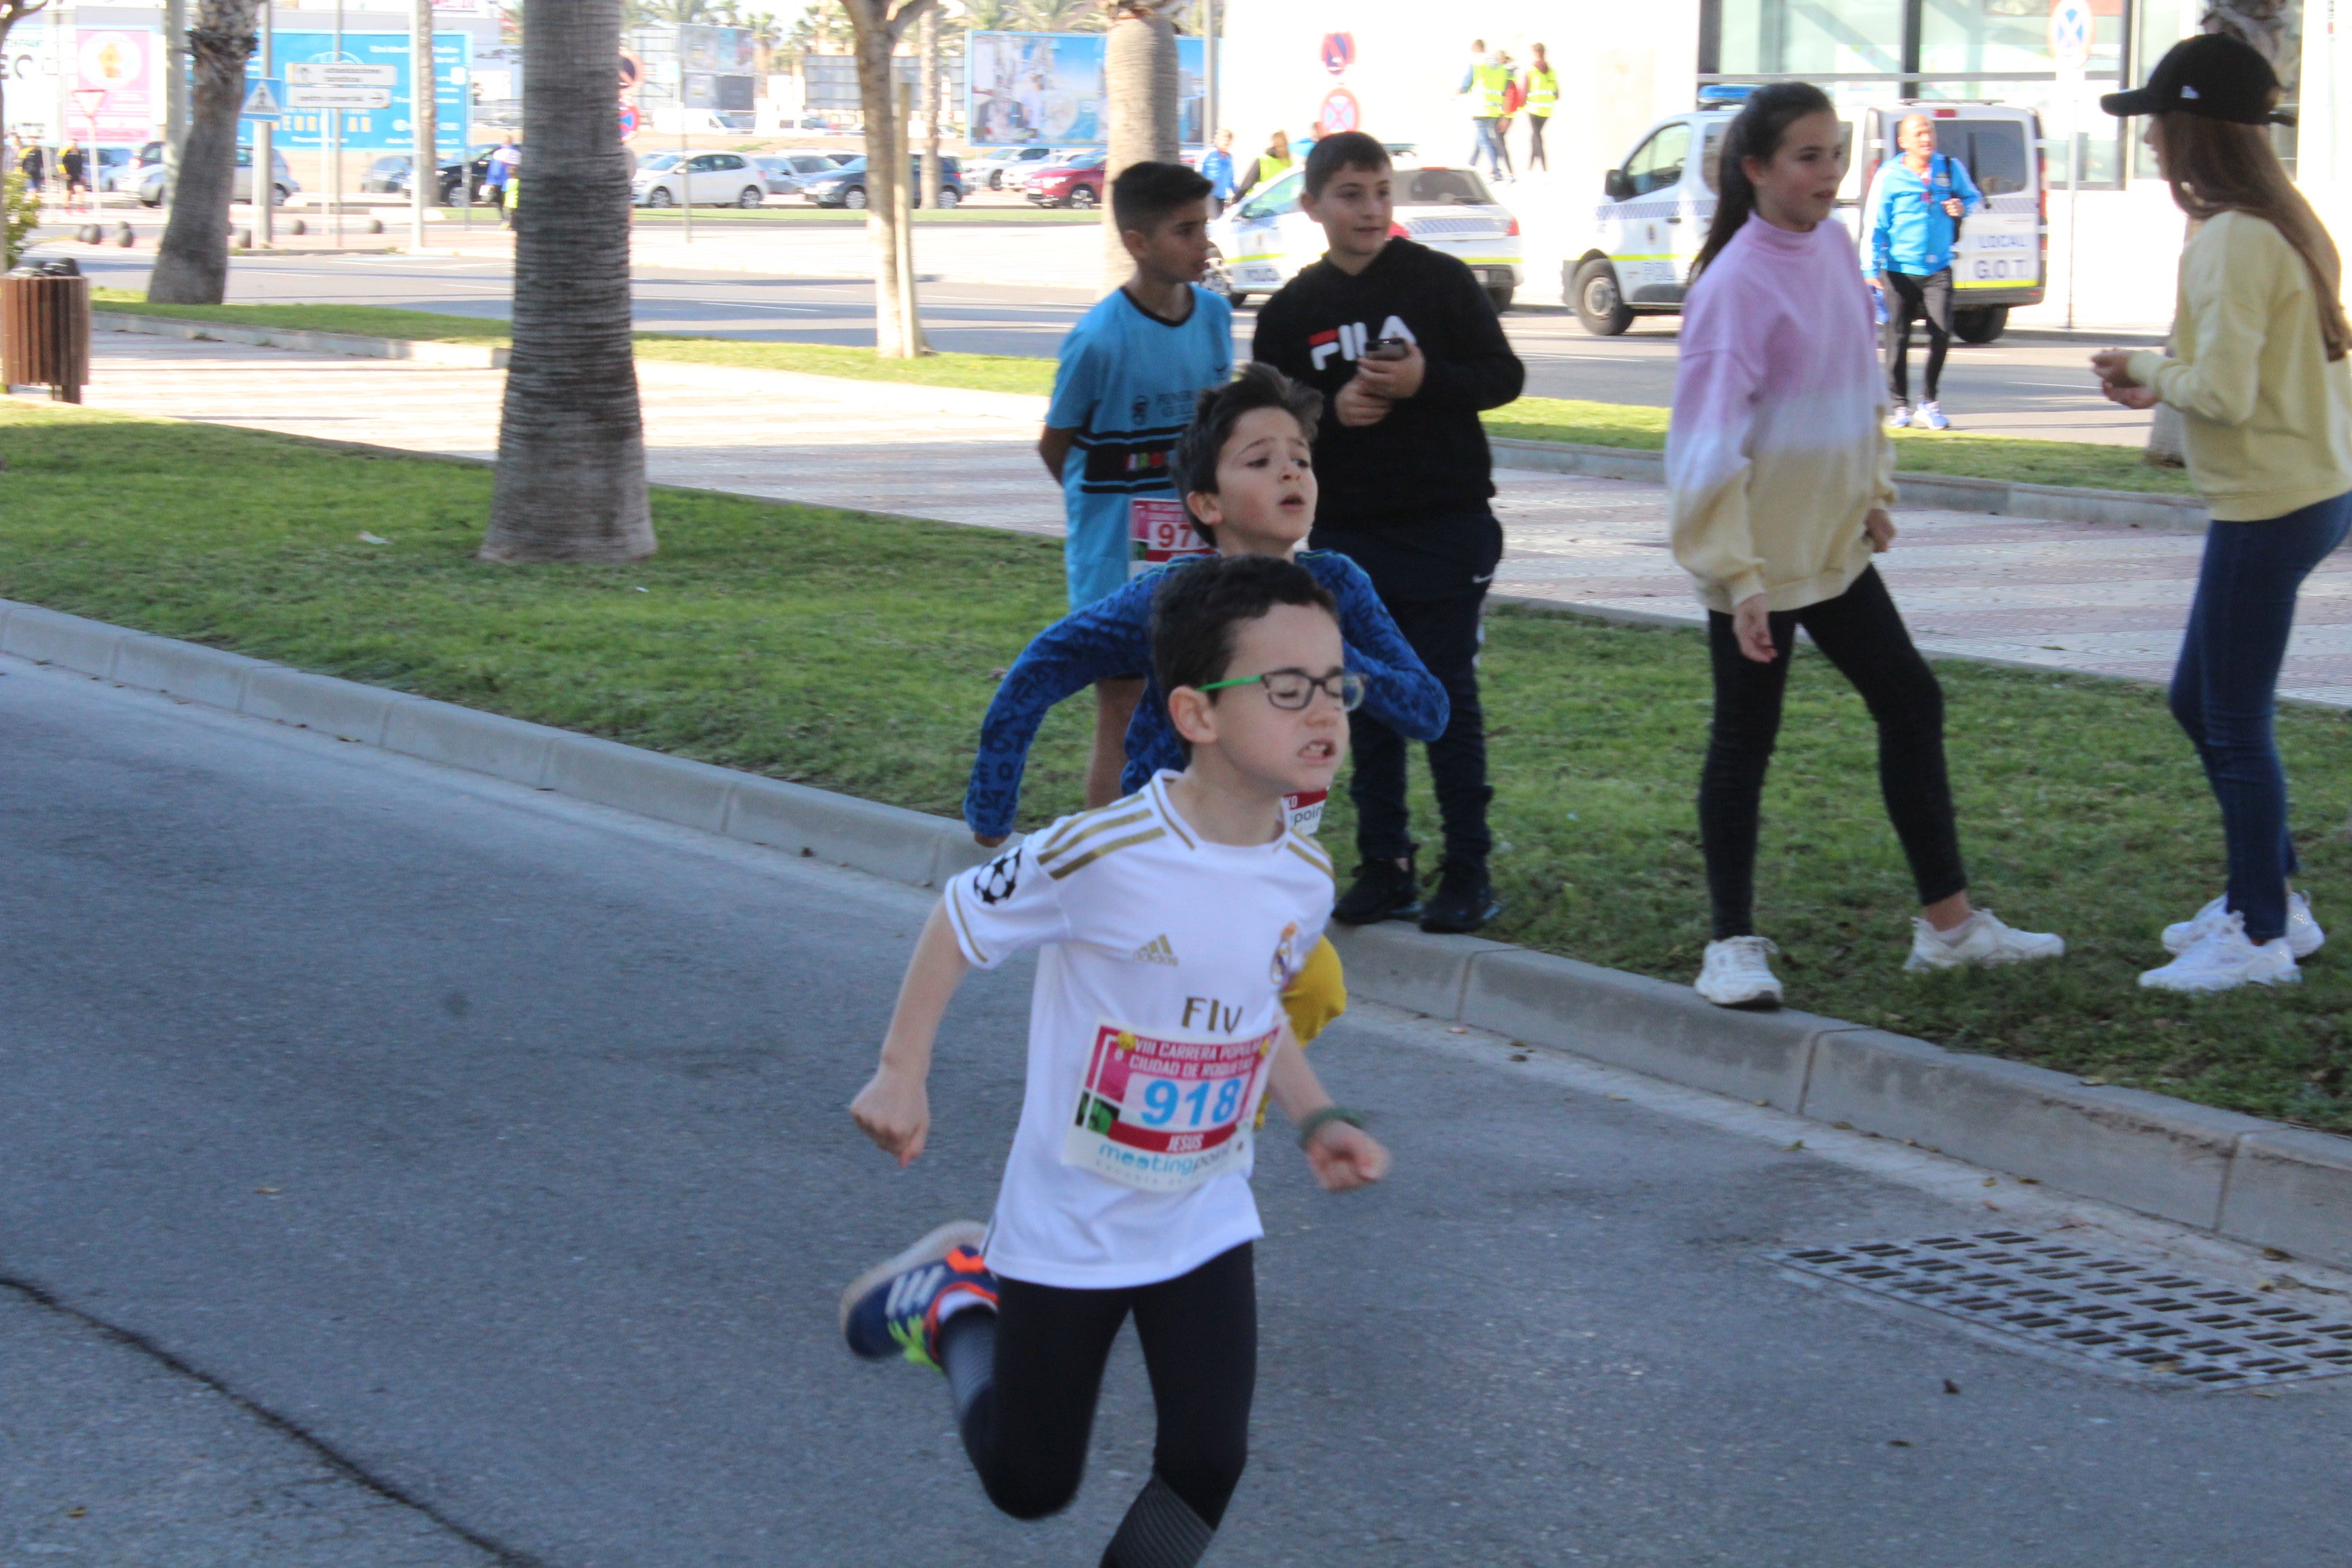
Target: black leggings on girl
[1025,1378]
[1861,633]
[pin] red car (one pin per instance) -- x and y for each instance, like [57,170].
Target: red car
[1073,184]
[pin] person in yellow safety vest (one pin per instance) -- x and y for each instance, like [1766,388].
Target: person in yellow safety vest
[1268,167]
[1542,86]
[1486,83]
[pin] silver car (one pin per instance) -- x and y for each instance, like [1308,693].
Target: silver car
[282,186]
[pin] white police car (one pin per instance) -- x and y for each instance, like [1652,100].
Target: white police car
[1656,208]
[1265,240]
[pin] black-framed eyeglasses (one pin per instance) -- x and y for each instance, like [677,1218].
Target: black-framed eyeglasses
[1292,690]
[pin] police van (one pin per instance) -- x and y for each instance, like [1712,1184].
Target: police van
[1656,210]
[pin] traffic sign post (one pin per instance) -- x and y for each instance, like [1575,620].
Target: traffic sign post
[265,102]
[2073,31]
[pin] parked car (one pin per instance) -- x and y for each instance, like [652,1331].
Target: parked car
[786,171]
[1265,240]
[1656,208]
[1075,181]
[846,186]
[717,179]
[117,168]
[1006,163]
[282,186]
[388,175]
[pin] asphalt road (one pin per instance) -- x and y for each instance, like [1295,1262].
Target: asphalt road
[2014,387]
[399,1166]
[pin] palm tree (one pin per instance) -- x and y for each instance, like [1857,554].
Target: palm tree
[571,447]
[878,26]
[1139,94]
[192,262]
[1062,16]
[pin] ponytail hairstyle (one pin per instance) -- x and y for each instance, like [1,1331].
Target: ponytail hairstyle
[1756,132]
[2219,165]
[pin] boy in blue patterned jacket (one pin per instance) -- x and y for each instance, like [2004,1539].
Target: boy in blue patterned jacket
[1243,470]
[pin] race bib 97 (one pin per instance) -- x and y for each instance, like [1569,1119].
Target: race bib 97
[1162,1115]
[1161,531]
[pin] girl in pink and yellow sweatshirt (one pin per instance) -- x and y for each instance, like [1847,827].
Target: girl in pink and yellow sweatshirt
[1780,476]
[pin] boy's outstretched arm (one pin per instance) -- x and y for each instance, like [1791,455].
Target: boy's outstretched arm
[1401,693]
[1109,639]
[893,1109]
[1343,1156]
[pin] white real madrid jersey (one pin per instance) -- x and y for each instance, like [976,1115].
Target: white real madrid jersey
[1158,1003]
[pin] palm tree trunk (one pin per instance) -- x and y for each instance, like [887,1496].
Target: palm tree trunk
[1139,91]
[192,262]
[875,28]
[572,448]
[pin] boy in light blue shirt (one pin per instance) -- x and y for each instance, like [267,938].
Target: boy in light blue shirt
[1915,207]
[1131,373]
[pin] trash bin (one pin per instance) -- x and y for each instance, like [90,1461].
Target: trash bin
[45,329]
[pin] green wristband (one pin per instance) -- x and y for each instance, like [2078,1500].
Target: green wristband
[1313,1120]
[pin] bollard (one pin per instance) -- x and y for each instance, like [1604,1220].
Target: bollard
[125,236]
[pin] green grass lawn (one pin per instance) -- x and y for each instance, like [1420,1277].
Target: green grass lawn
[1530,419]
[856,652]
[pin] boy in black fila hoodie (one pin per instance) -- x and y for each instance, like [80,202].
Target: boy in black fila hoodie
[1406,349]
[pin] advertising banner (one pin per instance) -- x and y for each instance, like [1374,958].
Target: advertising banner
[1048,88]
[117,90]
[388,128]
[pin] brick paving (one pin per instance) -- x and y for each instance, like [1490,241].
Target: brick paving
[2101,600]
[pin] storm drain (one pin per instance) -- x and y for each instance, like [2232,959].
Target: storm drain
[2133,1317]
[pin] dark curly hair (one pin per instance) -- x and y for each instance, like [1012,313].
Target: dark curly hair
[1192,463]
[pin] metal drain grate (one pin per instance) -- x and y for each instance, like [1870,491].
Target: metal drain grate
[2152,1320]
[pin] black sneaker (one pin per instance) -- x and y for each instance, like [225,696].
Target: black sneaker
[1465,899]
[1383,891]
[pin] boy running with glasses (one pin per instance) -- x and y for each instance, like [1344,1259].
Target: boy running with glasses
[1170,924]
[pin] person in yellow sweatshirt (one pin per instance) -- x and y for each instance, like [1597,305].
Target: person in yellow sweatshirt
[2259,377]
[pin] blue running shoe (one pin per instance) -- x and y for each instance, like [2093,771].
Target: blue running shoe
[1931,414]
[893,1307]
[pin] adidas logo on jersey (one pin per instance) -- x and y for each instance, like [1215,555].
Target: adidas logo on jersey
[1156,950]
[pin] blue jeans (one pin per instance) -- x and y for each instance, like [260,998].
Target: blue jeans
[1489,145]
[2225,690]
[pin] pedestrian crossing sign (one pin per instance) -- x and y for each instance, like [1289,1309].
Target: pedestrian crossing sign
[265,99]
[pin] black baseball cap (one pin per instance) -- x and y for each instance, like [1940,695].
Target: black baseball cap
[2212,74]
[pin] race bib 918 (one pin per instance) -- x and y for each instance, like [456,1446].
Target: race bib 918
[1162,1115]
[1161,531]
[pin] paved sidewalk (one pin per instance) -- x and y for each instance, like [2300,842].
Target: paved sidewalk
[2100,600]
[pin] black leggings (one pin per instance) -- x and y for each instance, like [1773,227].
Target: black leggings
[1859,632]
[1929,301]
[1535,158]
[1025,1404]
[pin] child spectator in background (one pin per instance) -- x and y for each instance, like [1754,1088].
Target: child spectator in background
[1130,371]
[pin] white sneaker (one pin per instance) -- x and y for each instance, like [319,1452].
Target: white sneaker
[2303,933]
[1900,417]
[1979,939]
[1737,975]
[1931,417]
[2225,958]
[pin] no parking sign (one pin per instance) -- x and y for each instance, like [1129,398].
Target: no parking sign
[2072,32]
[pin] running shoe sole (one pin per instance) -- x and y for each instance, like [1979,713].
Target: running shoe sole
[930,1249]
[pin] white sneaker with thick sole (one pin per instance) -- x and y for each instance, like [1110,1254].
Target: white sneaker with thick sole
[2303,933]
[2225,958]
[1930,416]
[1900,417]
[1978,940]
[1735,973]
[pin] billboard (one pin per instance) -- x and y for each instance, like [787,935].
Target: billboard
[1049,87]
[375,130]
[118,86]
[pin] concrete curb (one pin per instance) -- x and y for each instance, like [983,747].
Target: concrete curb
[1928,492]
[357,345]
[2240,1176]
[2057,503]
